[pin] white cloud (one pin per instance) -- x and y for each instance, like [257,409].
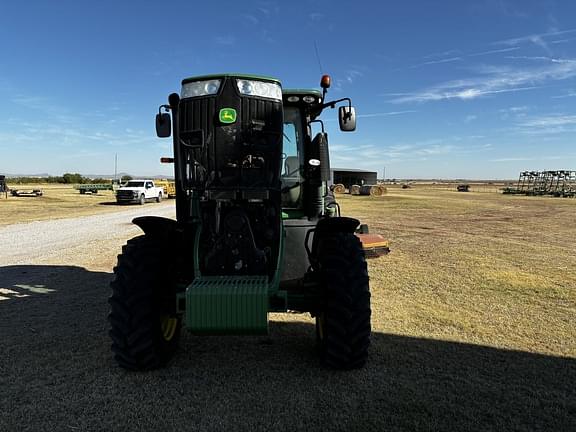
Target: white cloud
[372,156]
[567,95]
[439,61]
[250,19]
[525,159]
[553,120]
[494,51]
[546,125]
[385,114]
[493,80]
[538,39]
[225,40]
[348,77]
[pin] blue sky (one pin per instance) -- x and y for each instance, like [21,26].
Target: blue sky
[443,89]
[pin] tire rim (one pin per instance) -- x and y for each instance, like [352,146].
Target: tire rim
[168,326]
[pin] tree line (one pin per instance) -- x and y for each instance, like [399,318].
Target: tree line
[67,178]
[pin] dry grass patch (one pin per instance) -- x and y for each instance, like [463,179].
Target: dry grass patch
[483,268]
[58,202]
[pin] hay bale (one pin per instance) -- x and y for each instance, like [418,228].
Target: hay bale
[355,189]
[339,188]
[372,190]
[377,190]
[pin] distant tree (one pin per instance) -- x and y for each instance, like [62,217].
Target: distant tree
[52,179]
[125,178]
[100,181]
[73,178]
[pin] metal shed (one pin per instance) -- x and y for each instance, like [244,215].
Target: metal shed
[349,177]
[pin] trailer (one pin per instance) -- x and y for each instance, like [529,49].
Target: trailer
[26,192]
[168,186]
[93,188]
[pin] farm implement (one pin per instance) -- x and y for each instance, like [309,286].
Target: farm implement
[93,188]
[560,183]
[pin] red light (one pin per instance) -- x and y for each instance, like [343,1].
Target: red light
[166,160]
[325,81]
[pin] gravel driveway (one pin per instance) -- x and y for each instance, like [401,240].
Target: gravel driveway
[57,371]
[76,241]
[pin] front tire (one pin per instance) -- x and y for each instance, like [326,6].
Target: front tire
[343,325]
[142,200]
[145,328]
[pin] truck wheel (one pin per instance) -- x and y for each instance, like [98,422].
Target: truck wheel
[145,328]
[159,197]
[142,200]
[343,324]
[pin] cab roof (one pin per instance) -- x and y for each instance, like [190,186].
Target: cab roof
[302,92]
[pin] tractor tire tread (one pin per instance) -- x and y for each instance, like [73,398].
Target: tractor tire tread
[347,313]
[134,316]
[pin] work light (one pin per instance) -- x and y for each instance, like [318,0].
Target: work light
[200,88]
[259,88]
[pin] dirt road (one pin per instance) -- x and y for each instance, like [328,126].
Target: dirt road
[88,241]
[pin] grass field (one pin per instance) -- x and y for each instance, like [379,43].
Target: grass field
[489,269]
[477,267]
[474,314]
[58,201]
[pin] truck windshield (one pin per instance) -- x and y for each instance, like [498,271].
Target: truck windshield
[291,148]
[134,184]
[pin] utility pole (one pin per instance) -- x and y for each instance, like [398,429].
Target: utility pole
[115,166]
[384,175]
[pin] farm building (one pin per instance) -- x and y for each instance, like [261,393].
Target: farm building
[349,177]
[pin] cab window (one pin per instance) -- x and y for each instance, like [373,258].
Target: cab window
[291,148]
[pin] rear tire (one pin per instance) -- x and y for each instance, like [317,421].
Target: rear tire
[343,325]
[145,328]
[159,197]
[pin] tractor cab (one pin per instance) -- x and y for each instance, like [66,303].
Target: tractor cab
[306,161]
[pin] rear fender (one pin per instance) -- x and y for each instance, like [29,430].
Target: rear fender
[327,226]
[156,226]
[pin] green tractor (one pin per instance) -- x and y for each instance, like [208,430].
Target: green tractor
[256,228]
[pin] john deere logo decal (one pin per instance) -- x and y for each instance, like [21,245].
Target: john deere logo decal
[227,115]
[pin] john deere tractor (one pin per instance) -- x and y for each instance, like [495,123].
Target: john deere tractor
[256,229]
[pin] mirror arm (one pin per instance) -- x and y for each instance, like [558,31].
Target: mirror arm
[166,108]
[332,104]
[318,121]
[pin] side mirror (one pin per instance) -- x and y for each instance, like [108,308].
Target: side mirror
[347,118]
[163,125]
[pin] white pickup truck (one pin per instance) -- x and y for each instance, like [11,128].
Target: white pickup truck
[139,191]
